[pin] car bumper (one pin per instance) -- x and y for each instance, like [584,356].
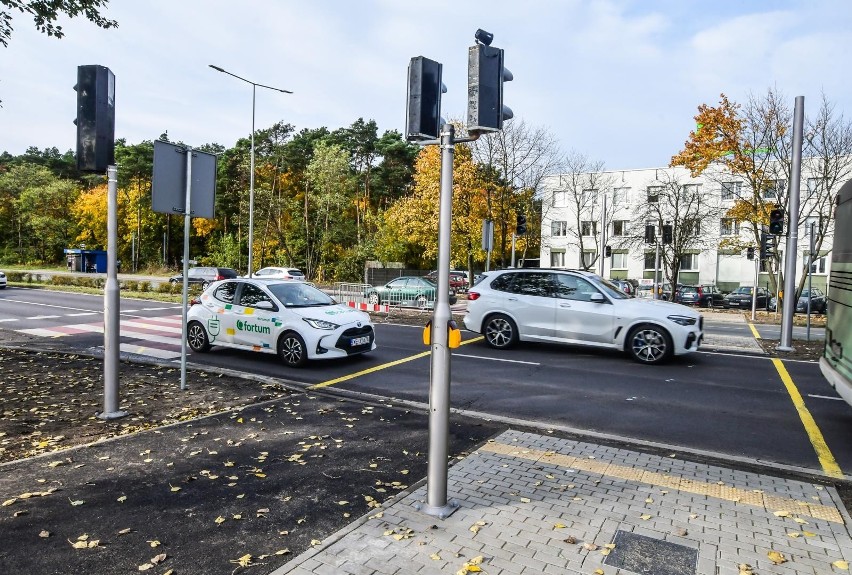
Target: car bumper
[342,342]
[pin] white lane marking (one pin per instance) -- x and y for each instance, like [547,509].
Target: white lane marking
[49,305]
[164,328]
[824,397]
[10,319]
[43,332]
[496,359]
[149,351]
[83,313]
[43,317]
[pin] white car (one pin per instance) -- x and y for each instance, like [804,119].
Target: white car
[2,280]
[279,273]
[577,307]
[293,319]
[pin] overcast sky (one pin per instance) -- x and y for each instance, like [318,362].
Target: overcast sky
[617,80]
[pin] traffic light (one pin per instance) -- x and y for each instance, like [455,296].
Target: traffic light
[764,246]
[95,118]
[667,234]
[607,252]
[650,234]
[485,77]
[521,227]
[423,109]
[776,221]
[750,252]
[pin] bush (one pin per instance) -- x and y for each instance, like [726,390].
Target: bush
[144,286]
[130,285]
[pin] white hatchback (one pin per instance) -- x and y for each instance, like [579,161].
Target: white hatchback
[577,307]
[291,318]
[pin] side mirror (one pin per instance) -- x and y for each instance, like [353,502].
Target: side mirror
[265,304]
[597,298]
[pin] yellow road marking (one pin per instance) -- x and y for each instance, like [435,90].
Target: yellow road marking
[737,495]
[754,331]
[826,459]
[380,367]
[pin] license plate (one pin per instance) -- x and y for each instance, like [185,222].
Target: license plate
[356,341]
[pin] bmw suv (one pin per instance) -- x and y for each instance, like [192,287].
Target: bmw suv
[578,307]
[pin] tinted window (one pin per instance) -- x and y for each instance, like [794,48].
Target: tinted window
[300,295]
[252,295]
[225,292]
[397,284]
[574,288]
[536,284]
[227,273]
[503,282]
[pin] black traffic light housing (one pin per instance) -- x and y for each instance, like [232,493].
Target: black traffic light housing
[650,234]
[750,252]
[667,234]
[95,118]
[607,251]
[485,76]
[776,221]
[423,108]
[764,246]
[521,227]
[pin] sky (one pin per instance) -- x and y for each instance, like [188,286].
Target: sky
[619,81]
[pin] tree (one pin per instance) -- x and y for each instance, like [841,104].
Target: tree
[45,13]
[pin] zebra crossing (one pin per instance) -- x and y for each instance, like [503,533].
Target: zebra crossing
[158,337]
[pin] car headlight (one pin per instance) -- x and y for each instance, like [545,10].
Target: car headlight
[682,319]
[320,323]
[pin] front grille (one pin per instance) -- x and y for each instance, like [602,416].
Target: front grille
[344,342]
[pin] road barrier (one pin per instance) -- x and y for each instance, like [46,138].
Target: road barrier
[355,296]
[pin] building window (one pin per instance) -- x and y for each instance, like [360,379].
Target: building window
[589,198]
[588,228]
[619,227]
[557,259]
[774,188]
[689,262]
[729,227]
[654,194]
[692,226]
[808,222]
[689,192]
[650,260]
[731,190]
[620,195]
[559,198]
[589,258]
[619,261]
[815,186]
[558,229]
[818,265]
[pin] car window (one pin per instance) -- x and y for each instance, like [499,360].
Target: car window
[300,295]
[503,282]
[226,291]
[574,288]
[295,273]
[688,289]
[535,284]
[252,295]
[226,272]
[397,283]
[194,273]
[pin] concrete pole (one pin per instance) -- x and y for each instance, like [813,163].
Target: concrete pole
[112,303]
[439,385]
[656,272]
[790,258]
[810,276]
[187,226]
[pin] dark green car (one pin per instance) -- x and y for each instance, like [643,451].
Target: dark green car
[407,291]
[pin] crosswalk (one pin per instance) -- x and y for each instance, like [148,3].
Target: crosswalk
[158,337]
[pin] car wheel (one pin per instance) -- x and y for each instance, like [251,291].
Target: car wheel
[421,301]
[373,298]
[291,349]
[196,337]
[173,281]
[500,332]
[649,344]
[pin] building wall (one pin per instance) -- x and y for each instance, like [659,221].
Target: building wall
[715,266]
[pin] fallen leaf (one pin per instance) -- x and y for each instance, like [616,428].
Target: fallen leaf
[808,534]
[559,526]
[745,569]
[599,572]
[145,567]
[649,500]
[605,551]
[158,558]
[154,543]
[800,521]
[76,503]
[681,532]
[122,499]
[78,544]
[644,517]
[782,514]
[316,542]
[571,540]
[219,520]
[173,488]
[776,557]
[282,552]
[525,500]
[124,531]
[435,557]
[794,534]
[44,534]
[841,564]
[238,516]
[8,502]
[590,546]
[93,543]
[243,561]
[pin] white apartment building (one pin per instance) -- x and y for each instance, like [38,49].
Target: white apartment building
[612,209]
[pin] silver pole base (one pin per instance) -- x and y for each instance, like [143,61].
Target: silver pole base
[441,512]
[784,348]
[111,415]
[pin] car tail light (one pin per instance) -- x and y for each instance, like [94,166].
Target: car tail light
[219,277]
[194,301]
[472,295]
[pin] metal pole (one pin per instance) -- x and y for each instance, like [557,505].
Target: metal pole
[112,304]
[251,187]
[810,278]
[184,298]
[754,289]
[792,229]
[513,249]
[602,248]
[656,272]
[439,385]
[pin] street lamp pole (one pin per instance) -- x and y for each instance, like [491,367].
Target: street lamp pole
[254,86]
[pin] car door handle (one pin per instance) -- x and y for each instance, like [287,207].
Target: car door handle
[512,299]
[565,305]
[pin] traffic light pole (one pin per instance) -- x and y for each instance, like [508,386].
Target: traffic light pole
[754,289]
[789,300]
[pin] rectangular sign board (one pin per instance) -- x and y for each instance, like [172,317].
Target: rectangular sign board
[168,186]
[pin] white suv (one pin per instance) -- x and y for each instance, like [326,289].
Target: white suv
[578,307]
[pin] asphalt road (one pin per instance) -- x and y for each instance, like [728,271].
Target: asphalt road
[730,405]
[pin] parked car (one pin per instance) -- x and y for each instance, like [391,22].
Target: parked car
[578,307]
[409,291]
[204,276]
[741,298]
[2,280]
[279,273]
[458,280]
[705,295]
[624,286]
[292,319]
[819,303]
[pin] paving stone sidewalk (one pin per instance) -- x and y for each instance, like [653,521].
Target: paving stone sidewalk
[536,504]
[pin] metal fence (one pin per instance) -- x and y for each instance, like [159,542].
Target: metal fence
[366,298]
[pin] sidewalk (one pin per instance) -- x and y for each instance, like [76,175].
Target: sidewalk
[730,343]
[533,504]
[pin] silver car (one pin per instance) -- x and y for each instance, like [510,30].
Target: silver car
[577,307]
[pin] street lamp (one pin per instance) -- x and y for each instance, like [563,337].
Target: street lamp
[254,86]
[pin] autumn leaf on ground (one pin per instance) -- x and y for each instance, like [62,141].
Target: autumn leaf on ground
[124,531]
[559,526]
[476,527]
[154,543]
[122,499]
[589,546]
[782,514]
[158,558]
[776,557]
[435,557]
[76,503]
[840,564]
[44,533]
[219,520]
[243,561]
[173,489]
[745,569]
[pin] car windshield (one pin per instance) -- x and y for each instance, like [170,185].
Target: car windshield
[608,287]
[300,295]
[745,290]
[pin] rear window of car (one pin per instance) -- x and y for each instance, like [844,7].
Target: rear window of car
[227,273]
[689,289]
[296,273]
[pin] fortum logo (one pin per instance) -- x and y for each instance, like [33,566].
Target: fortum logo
[254,328]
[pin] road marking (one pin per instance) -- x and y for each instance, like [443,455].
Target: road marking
[496,359]
[10,319]
[43,317]
[83,313]
[824,397]
[374,369]
[738,495]
[48,305]
[754,331]
[826,459]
